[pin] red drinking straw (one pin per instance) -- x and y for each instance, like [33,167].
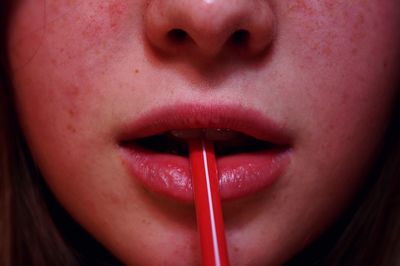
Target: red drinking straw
[208,204]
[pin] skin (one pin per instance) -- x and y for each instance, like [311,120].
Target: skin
[326,70]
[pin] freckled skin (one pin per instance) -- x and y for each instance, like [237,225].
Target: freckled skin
[84,68]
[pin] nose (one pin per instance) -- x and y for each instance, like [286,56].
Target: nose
[209,28]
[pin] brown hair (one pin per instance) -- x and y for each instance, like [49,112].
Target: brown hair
[35,230]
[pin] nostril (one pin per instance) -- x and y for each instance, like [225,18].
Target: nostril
[198,30]
[240,37]
[177,35]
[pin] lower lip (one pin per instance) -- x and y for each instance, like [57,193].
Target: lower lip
[240,175]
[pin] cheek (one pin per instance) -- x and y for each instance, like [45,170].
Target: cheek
[337,91]
[69,30]
[328,27]
[62,94]
[339,74]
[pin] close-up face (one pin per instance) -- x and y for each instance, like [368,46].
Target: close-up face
[295,96]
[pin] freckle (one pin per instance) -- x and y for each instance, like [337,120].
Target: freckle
[146,222]
[361,78]
[71,112]
[344,98]
[360,19]
[73,91]
[235,249]
[70,128]
[331,5]
[315,46]
[327,51]
[193,247]
[136,71]
[115,11]
[300,5]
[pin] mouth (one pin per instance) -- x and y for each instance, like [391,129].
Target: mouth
[251,151]
[175,142]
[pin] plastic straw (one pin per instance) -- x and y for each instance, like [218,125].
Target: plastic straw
[208,204]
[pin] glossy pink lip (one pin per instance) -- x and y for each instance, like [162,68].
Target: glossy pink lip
[240,174]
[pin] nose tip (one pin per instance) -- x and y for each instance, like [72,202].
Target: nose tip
[209,27]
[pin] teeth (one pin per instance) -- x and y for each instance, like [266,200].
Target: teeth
[212,134]
[220,134]
[187,133]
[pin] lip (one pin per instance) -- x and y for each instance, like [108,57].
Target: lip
[240,175]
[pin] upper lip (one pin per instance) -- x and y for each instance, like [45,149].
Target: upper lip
[184,116]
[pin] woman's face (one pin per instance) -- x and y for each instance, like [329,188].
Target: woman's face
[312,80]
